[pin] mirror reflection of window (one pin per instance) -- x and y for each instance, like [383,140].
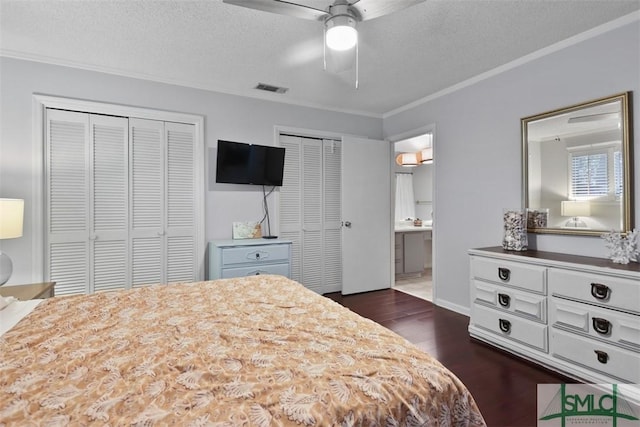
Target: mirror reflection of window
[595,174]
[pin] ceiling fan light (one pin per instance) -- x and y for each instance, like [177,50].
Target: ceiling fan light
[341,32]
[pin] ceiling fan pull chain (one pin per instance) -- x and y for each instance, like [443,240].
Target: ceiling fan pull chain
[324,47]
[357,62]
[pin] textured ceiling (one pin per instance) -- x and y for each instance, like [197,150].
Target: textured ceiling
[404,57]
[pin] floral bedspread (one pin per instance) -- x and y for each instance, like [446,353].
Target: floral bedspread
[256,351]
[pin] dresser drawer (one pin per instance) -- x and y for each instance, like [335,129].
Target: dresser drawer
[597,356]
[529,305]
[524,276]
[618,293]
[281,269]
[512,327]
[255,254]
[614,326]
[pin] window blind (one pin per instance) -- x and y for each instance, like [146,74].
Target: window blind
[617,174]
[589,175]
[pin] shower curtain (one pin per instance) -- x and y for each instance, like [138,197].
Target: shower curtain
[405,202]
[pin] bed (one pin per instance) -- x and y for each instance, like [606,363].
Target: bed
[256,351]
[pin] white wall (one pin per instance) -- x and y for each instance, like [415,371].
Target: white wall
[478,146]
[226,117]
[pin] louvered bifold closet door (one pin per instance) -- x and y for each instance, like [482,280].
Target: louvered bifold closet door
[332,248]
[109,152]
[291,201]
[312,227]
[181,212]
[147,201]
[86,202]
[310,211]
[67,221]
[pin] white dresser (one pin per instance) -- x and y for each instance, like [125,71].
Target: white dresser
[249,257]
[577,315]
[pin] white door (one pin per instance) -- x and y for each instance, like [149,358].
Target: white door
[366,214]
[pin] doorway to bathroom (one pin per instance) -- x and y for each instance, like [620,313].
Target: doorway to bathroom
[414,207]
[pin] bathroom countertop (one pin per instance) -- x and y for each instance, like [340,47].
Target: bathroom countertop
[410,228]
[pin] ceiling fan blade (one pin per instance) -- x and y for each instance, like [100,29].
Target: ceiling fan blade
[369,9]
[282,7]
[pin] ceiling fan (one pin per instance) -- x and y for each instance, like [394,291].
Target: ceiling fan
[340,18]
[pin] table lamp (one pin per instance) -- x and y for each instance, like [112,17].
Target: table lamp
[575,209]
[11,216]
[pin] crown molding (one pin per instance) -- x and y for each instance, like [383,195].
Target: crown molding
[594,32]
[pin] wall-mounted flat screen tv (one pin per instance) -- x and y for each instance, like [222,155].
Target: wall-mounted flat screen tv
[240,163]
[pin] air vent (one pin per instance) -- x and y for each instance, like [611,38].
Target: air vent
[271,88]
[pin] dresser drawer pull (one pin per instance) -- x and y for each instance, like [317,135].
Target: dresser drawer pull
[601,326]
[505,326]
[504,273]
[603,357]
[504,300]
[600,291]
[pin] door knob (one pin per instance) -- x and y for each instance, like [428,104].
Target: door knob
[347,224]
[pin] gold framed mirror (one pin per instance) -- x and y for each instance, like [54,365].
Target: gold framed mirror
[577,168]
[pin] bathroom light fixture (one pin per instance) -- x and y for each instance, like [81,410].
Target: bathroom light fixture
[426,156]
[407,159]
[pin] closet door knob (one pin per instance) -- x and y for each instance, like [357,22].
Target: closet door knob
[347,224]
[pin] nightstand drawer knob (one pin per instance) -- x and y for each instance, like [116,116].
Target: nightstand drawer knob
[600,291]
[257,256]
[505,326]
[603,357]
[504,273]
[504,300]
[601,326]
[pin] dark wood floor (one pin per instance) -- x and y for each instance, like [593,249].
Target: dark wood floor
[503,386]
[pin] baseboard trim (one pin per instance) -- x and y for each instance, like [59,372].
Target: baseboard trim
[452,306]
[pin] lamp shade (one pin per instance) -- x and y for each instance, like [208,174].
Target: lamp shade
[11,216]
[575,208]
